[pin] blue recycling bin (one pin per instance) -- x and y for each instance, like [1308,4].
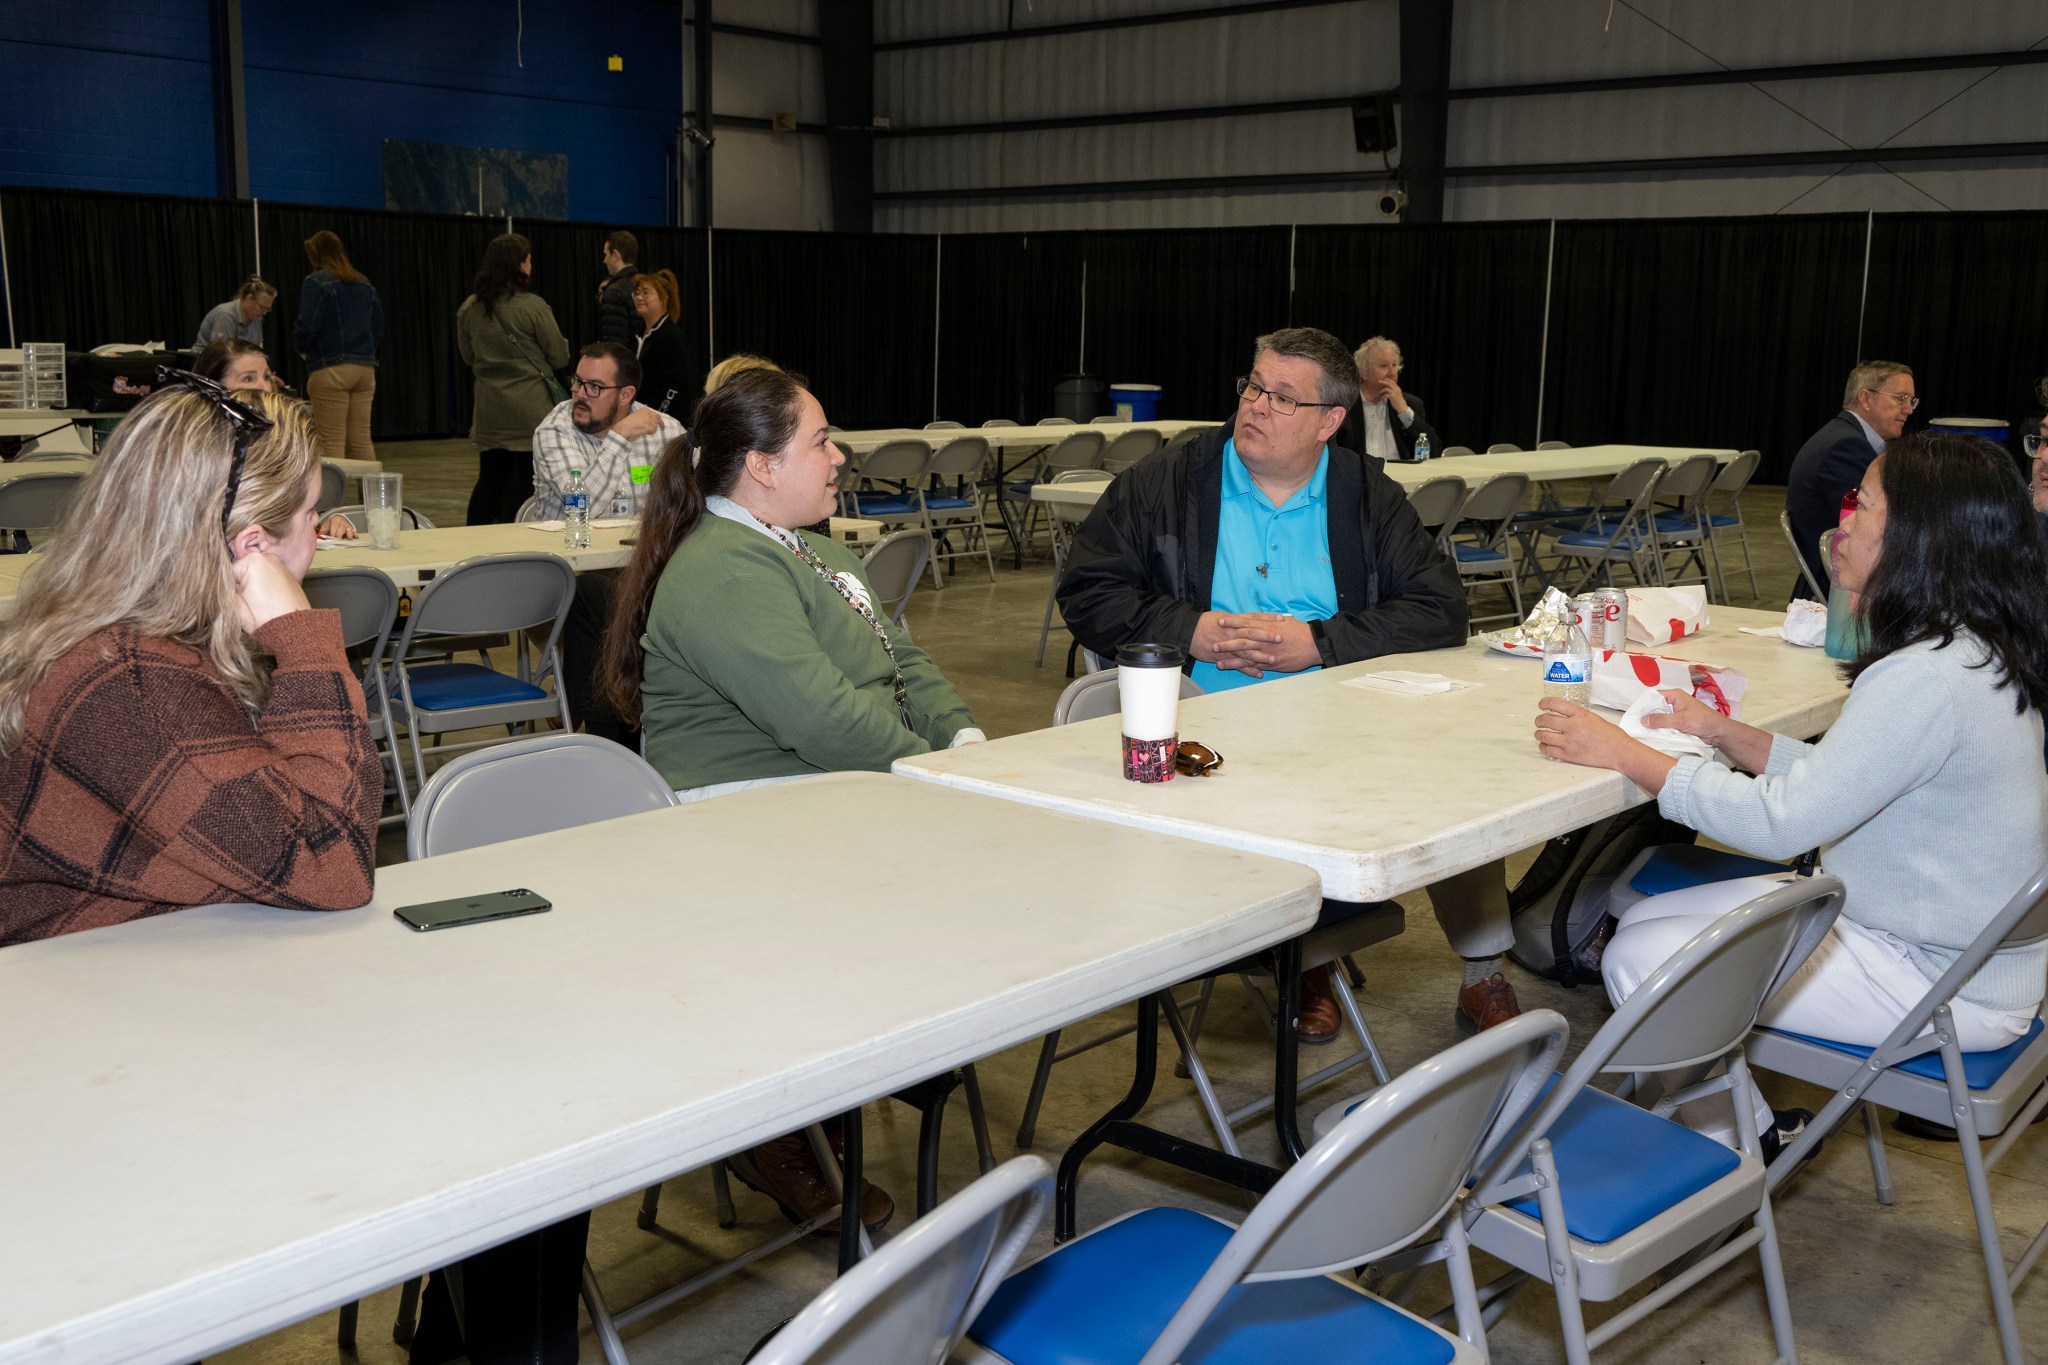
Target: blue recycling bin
[1135,402]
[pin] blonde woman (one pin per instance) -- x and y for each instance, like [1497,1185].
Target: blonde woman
[177,726]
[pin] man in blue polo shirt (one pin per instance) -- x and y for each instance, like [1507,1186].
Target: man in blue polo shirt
[1263,550]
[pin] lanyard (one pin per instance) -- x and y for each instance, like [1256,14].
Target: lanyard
[796,545]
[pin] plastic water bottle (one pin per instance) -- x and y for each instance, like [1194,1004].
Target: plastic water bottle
[575,514]
[1568,664]
[1421,445]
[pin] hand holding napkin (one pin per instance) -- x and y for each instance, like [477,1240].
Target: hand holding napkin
[1674,742]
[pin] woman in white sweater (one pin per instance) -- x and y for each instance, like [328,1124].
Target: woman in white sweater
[1927,797]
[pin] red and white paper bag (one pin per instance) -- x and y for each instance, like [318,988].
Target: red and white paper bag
[1620,678]
[1657,616]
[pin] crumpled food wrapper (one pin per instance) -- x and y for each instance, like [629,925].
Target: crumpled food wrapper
[1551,612]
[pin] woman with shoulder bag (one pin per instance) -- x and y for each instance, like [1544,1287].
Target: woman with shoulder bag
[508,337]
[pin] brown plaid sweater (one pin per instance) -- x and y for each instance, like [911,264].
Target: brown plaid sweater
[141,786]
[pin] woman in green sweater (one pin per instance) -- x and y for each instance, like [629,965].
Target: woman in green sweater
[506,333]
[749,651]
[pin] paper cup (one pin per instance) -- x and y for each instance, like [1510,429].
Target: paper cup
[1148,686]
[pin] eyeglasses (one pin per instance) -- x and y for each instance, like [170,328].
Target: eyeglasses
[1909,401]
[2034,445]
[590,388]
[248,424]
[1282,404]
[1196,760]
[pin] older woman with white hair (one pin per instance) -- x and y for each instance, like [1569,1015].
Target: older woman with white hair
[1389,418]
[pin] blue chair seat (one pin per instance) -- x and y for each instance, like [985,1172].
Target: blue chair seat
[1981,1070]
[885,505]
[1718,520]
[1598,539]
[1619,1166]
[1678,523]
[450,687]
[1674,867]
[1108,1295]
[948,504]
[1477,554]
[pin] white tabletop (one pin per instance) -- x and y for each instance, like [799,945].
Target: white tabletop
[1545,466]
[29,421]
[224,1120]
[423,553]
[1007,438]
[1380,794]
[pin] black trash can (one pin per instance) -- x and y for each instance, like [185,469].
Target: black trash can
[1080,398]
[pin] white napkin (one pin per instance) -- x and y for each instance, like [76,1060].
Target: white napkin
[1806,625]
[1674,742]
[1403,683]
[600,524]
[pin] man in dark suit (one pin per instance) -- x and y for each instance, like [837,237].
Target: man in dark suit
[616,320]
[1875,405]
[1387,420]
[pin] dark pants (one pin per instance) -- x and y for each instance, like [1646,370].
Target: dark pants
[504,481]
[582,638]
[514,1304]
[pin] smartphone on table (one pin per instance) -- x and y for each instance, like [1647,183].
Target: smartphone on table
[473,909]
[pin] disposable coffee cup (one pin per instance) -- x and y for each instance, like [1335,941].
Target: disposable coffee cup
[383,506]
[1148,685]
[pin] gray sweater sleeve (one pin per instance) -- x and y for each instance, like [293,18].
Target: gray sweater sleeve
[1897,730]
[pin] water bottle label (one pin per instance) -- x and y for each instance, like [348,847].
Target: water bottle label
[1565,668]
[575,501]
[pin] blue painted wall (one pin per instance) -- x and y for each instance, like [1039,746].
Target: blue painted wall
[115,94]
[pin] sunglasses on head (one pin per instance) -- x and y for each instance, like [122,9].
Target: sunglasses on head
[247,423]
[1196,760]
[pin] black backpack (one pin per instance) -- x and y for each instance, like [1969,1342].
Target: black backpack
[1559,908]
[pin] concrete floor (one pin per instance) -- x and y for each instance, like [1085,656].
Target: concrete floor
[1868,1283]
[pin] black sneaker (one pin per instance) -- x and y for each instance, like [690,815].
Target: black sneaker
[1786,1124]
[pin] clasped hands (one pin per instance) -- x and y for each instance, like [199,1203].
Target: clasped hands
[1253,642]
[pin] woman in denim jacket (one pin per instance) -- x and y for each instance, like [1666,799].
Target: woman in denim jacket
[341,320]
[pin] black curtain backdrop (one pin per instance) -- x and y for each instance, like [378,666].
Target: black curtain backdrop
[90,269]
[1463,301]
[853,314]
[1963,299]
[1181,308]
[568,269]
[422,266]
[1009,323]
[1724,332]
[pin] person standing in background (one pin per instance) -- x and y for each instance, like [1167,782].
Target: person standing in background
[241,317]
[664,370]
[341,322]
[508,337]
[615,320]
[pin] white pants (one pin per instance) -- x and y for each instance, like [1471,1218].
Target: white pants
[1855,988]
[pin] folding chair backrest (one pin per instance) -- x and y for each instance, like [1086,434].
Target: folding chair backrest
[1632,489]
[1184,437]
[333,487]
[1387,1174]
[408,517]
[1553,445]
[1736,474]
[1503,448]
[1437,500]
[909,1302]
[944,426]
[1496,500]
[962,458]
[534,508]
[492,594]
[366,599]
[999,422]
[1094,694]
[530,786]
[893,568]
[903,462]
[1689,479]
[1107,419]
[1806,573]
[1449,451]
[1129,448]
[1082,450]
[33,501]
[1056,422]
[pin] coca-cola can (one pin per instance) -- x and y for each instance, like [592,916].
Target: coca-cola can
[1613,615]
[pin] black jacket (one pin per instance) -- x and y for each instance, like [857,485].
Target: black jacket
[1830,464]
[616,320]
[665,380]
[1353,432]
[1142,563]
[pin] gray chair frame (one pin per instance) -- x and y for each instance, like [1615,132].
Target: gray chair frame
[1057,422]
[1623,512]
[1693,1011]
[486,595]
[894,565]
[1386,1177]
[1553,445]
[945,426]
[902,464]
[1504,448]
[368,604]
[1061,522]
[1806,573]
[37,502]
[961,463]
[333,488]
[1687,484]
[1449,451]
[1436,502]
[912,1300]
[1489,513]
[2004,1110]
[1129,448]
[1729,483]
[495,794]
[534,508]
[409,518]
[1108,419]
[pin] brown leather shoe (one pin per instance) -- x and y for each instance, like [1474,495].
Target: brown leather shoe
[1483,1004]
[1319,1017]
[787,1171]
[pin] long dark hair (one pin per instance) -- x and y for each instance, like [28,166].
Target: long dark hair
[754,410]
[213,362]
[1962,551]
[499,277]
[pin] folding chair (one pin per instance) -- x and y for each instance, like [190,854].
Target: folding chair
[1503,448]
[368,603]
[1082,450]
[911,1301]
[1619,530]
[899,468]
[1729,483]
[1449,451]
[1683,528]
[36,502]
[488,595]
[1553,445]
[1488,556]
[1055,421]
[1436,502]
[1595,1195]
[945,426]
[410,518]
[1107,419]
[999,422]
[1806,574]
[1166,1284]
[534,508]
[333,488]
[1065,517]
[957,466]
[1129,448]
[894,565]
[1919,1069]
